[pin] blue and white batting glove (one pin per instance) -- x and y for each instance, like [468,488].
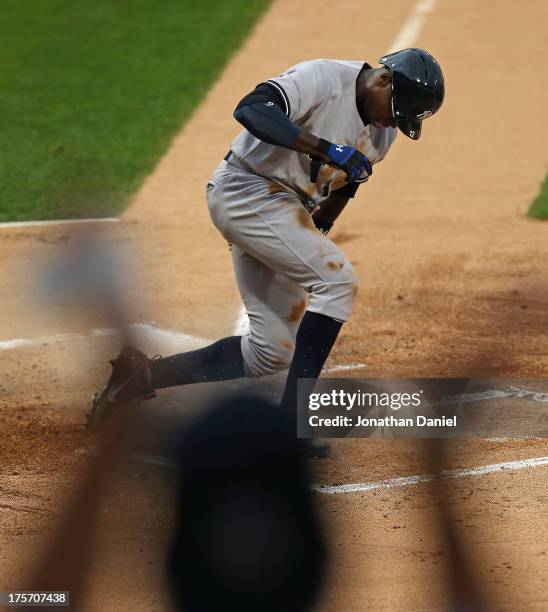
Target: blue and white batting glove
[356,165]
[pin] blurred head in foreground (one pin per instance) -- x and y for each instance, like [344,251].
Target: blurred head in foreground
[247,535]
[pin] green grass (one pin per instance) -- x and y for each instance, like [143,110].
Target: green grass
[92,92]
[539,206]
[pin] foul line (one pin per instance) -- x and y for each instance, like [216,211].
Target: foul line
[412,27]
[411,480]
[390,483]
[345,368]
[182,339]
[159,333]
[12,224]
[493,394]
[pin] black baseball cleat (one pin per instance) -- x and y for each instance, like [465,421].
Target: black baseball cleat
[130,380]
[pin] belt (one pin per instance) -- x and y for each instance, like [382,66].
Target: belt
[228,156]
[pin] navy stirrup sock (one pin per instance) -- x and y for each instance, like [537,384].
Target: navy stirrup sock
[315,339]
[219,361]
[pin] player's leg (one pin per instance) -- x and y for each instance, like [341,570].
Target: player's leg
[280,259]
[221,360]
[274,228]
[279,335]
[274,305]
[135,376]
[281,236]
[269,299]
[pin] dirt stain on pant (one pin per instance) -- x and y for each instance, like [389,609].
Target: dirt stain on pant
[304,219]
[297,311]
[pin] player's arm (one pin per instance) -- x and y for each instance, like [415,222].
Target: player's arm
[327,213]
[264,113]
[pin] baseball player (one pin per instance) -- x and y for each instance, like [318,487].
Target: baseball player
[311,137]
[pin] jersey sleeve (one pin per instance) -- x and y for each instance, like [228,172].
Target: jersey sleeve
[264,92]
[305,87]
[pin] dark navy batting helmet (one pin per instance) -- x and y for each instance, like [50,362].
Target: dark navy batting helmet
[417,88]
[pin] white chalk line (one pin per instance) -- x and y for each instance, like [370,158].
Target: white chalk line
[503,439]
[182,339]
[158,333]
[23,224]
[411,28]
[493,394]
[147,328]
[345,368]
[390,483]
[411,480]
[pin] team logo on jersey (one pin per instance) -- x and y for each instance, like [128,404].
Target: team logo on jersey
[269,103]
[425,115]
[339,148]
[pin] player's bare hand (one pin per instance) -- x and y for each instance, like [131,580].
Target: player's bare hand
[356,165]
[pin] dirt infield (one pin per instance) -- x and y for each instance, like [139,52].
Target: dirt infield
[453,284]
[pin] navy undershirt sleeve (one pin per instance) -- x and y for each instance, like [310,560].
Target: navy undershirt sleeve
[264,92]
[262,113]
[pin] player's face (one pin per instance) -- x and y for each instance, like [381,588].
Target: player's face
[383,116]
[379,101]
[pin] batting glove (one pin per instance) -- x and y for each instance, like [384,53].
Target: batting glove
[356,165]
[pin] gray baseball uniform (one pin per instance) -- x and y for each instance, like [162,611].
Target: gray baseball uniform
[261,200]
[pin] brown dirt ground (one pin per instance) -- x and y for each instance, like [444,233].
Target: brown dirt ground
[453,283]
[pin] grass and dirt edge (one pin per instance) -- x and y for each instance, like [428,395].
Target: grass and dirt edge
[92,94]
[539,206]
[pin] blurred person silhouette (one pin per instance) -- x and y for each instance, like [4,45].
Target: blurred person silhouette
[247,535]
